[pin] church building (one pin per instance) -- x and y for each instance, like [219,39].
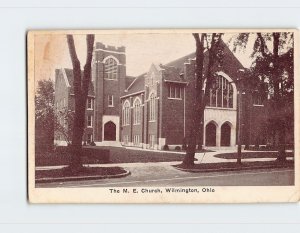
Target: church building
[155,109]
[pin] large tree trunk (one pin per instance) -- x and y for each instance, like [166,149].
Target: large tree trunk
[198,113]
[81,86]
[280,124]
[201,97]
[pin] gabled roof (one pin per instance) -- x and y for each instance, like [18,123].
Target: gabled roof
[128,81]
[172,70]
[70,77]
[179,63]
[137,85]
[171,73]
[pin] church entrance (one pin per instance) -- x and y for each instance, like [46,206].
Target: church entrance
[109,131]
[210,134]
[225,134]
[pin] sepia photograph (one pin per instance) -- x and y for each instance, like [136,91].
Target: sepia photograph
[163,116]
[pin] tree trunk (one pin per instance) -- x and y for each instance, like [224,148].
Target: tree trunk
[197,116]
[81,86]
[201,98]
[277,99]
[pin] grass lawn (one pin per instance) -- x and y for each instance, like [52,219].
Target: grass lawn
[204,167]
[123,155]
[249,155]
[85,171]
[117,155]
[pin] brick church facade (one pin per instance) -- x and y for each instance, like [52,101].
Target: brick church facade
[155,109]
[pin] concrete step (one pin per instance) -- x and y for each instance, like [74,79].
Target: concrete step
[109,143]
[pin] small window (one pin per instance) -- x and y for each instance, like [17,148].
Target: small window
[175,92]
[136,140]
[151,140]
[257,99]
[126,139]
[89,121]
[90,103]
[110,100]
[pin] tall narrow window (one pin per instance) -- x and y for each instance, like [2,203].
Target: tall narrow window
[136,140]
[152,107]
[257,98]
[126,113]
[221,93]
[89,121]
[90,103]
[110,100]
[137,113]
[151,79]
[151,140]
[111,68]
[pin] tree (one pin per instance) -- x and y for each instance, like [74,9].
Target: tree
[273,64]
[63,124]
[44,116]
[81,85]
[204,81]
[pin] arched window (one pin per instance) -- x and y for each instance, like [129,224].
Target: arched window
[152,107]
[137,111]
[110,68]
[126,113]
[221,93]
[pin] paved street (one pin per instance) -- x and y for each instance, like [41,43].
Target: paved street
[162,174]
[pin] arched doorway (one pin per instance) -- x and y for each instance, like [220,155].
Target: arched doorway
[109,131]
[210,134]
[225,134]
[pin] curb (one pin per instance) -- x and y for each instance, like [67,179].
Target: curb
[78,178]
[230,169]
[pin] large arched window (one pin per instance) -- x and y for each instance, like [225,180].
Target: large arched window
[111,68]
[152,107]
[137,111]
[126,113]
[221,93]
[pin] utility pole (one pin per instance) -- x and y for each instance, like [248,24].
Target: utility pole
[239,151]
[240,81]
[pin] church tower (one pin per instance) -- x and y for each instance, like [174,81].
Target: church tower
[108,77]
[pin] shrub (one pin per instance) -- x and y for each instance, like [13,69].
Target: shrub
[166,147]
[177,148]
[93,143]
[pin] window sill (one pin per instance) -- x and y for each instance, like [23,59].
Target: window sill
[111,79]
[89,109]
[152,121]
[229,109]
[174,98]
[258,105]
[111,106]
[89,127]
[137,124]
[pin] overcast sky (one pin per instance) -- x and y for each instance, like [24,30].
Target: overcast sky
[51,51]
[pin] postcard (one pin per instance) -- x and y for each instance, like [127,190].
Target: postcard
[163,116]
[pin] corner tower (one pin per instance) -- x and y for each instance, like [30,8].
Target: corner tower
[108,77]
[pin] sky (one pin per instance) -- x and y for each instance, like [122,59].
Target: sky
[142,49]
